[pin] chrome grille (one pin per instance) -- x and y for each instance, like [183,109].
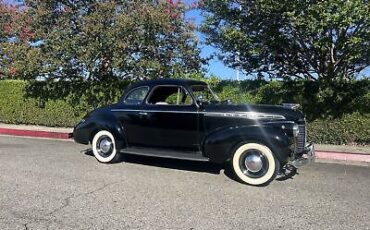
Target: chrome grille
[301,139]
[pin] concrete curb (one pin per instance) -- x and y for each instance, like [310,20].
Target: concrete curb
[320,154]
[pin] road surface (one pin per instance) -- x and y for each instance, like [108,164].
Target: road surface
[50,184]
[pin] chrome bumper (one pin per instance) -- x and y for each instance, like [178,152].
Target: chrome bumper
[307,157]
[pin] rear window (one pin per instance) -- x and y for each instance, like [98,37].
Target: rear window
[136,96]
[170,95]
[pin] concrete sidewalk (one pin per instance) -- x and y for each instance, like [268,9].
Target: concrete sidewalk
[325,152]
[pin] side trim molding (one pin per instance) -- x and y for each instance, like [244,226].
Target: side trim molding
[248,115]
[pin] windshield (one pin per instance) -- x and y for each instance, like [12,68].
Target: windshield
[202,93]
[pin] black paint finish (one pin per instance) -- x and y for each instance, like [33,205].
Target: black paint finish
[214,130]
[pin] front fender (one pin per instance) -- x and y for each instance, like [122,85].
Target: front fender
[220,145]
[84,132]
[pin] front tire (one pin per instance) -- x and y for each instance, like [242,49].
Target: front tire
[105,148]
[255,164]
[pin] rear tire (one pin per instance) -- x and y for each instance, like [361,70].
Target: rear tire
[105,148]
[255,164]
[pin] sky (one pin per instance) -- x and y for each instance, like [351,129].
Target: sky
[215,66]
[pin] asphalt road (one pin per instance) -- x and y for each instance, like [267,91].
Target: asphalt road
[47,184]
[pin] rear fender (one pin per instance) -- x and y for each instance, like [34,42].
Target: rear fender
[220,145]
[84,132]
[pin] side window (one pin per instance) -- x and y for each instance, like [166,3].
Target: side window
[136,96]
[170,95]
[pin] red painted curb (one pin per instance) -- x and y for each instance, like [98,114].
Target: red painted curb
[358,157]
[34,133]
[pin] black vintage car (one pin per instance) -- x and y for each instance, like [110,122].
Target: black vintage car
[184,119]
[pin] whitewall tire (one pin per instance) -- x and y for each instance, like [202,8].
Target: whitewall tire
[104,147]
[255,164]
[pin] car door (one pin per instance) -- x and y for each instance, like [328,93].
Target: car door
[169,119]
[129,112]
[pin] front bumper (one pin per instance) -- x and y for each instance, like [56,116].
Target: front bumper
[307,157]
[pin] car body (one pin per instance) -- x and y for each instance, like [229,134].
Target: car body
[184,119]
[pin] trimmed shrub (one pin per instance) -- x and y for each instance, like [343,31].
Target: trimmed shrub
[350,129]
[338,112]
[23,103]
[55,104]
[17,109]
[319,100]
[233,93]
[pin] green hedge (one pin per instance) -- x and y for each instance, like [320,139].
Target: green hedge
[16,109]
[350,129]
[337,112]
[319,100]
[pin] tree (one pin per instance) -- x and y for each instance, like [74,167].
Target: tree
[15,37]
[310,39]
[100,43]
[101,39]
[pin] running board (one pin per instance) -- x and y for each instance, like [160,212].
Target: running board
[164,153]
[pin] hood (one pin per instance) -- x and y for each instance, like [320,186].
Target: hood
[270,110]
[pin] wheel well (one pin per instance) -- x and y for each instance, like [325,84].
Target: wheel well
[92,134]
[221,145]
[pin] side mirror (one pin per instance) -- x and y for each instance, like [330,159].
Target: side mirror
[291,105]
[201,101]
[200,104]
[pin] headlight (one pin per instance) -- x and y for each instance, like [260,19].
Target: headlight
[295,130]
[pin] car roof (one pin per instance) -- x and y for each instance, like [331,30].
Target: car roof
[168,81]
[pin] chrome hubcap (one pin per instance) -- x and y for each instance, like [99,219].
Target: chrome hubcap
[253,162]
[105,145]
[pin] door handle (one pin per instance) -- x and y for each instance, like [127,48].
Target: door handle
[143,113]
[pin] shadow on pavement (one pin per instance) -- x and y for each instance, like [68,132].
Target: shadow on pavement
[288,171]
[186,165]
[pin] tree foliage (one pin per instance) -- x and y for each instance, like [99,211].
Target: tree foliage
[311,39]
[105,39]
[99,41]
[15,35]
